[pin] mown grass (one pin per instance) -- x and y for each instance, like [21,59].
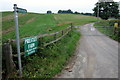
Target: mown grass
[6,13]
[42,24]
[108,28]
[22,21]
[75,19]
[38,26]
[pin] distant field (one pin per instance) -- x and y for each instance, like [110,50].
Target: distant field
[73,18]
[32,24]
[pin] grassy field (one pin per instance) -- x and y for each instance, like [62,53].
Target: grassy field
[75,19]
[34,24]
[108,28]
[50,60]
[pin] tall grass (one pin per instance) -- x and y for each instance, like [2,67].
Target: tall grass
[50,60]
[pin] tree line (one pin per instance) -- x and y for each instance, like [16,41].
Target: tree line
[70,12]
[104,10]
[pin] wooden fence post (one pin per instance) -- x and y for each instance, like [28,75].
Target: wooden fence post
[71,26]
[115,29]
[55,37]
[7,51]
[62,32]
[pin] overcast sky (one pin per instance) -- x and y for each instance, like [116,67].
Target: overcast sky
[41,6]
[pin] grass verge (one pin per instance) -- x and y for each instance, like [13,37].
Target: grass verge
[50,60]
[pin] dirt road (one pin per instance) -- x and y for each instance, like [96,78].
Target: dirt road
[96,56]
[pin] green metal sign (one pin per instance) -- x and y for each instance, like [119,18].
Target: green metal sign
[30,45]
[20,10]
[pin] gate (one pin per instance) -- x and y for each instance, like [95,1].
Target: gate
[90,30]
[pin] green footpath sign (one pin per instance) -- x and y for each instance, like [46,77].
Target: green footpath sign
[30,45]
[20,10]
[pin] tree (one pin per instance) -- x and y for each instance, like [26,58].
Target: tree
[66,11]
[49,12]
[76,12]
[60,11]
[106,10]
[69,11]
